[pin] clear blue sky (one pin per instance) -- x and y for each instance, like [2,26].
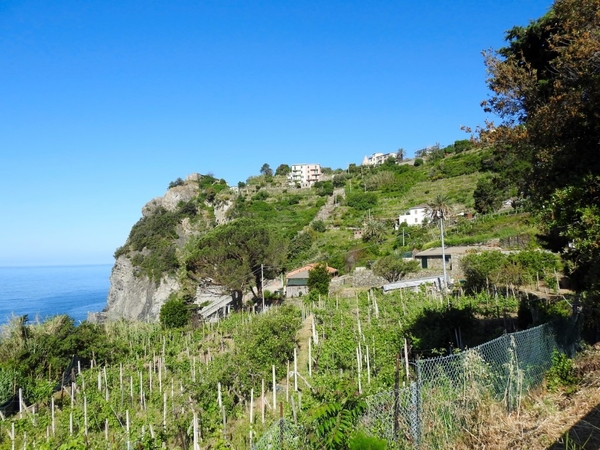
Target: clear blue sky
[103,103]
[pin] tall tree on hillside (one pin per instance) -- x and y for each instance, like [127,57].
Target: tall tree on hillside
[400,154]
[266,170]
[546,90]
[283,170]
[232,255]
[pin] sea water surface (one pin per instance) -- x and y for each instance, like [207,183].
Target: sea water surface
[42,292]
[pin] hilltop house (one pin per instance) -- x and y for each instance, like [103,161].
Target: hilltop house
[414,216]
[297,280]
[376,159]
[304,175]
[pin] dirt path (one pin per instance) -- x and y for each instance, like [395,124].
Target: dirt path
[302,336]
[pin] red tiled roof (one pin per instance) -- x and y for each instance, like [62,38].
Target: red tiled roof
[307,268]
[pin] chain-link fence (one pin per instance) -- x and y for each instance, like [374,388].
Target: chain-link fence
[281,435]
[435,408]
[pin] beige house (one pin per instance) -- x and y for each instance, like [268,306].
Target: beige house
[304,175]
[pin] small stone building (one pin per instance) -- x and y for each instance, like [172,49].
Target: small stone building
[297,280]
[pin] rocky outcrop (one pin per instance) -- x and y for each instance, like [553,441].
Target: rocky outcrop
[133,296]
[181,193]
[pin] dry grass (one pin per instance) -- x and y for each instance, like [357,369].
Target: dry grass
[546,420]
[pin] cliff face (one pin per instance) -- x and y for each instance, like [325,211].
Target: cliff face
[133,295]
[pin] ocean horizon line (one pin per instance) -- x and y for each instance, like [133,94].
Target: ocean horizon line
[41,266]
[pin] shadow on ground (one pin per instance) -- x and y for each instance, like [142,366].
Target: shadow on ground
[585,434]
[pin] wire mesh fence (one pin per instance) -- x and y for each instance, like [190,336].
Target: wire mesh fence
[433,410]
[281,435]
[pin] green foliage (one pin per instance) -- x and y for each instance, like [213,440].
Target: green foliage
[282,170]
[548,124]
[495,268]
[174,313]
[319,279]
[418,162]
[459,165]
[488,196]
[561,374]
[323,188]
[374,231]
[266,170]
[436,331]
[393,268]
[334,421]
[318,226]
[361,201]
[177,182]
[231,255]
[361,441]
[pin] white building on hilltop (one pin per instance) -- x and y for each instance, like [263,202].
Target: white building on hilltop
[376,159]
[304,174]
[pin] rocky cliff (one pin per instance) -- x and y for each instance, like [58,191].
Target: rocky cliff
[133,293]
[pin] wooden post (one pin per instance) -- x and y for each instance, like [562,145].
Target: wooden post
[368,367]
[295,369]
[274,389]
[53,422]
[406,359]
[251,406]
[358,364]
[262,401]
[309,358]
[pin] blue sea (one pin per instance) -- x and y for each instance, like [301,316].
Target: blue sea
[41,292]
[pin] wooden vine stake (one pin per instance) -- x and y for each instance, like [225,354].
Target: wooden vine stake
[309,358]
[262,401]
[274,388]
[358,366]
[406,358]
[251,406]
[53,422]
[368,367]
[295,369]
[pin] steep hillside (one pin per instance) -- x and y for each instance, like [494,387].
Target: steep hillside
[348,219]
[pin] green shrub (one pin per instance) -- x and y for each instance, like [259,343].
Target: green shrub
[561,374]
[175,313]
[361,201]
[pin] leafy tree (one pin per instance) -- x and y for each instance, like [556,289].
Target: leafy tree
[462,145]
[323,188]
[394,269]
[374,231]
[282,170]
[231,255]
[319,279]
[266,170]
[546,91]
[487,196]
[174,313]
[418,162]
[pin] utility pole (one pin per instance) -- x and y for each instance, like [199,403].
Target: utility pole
[443,252]
[262,287]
